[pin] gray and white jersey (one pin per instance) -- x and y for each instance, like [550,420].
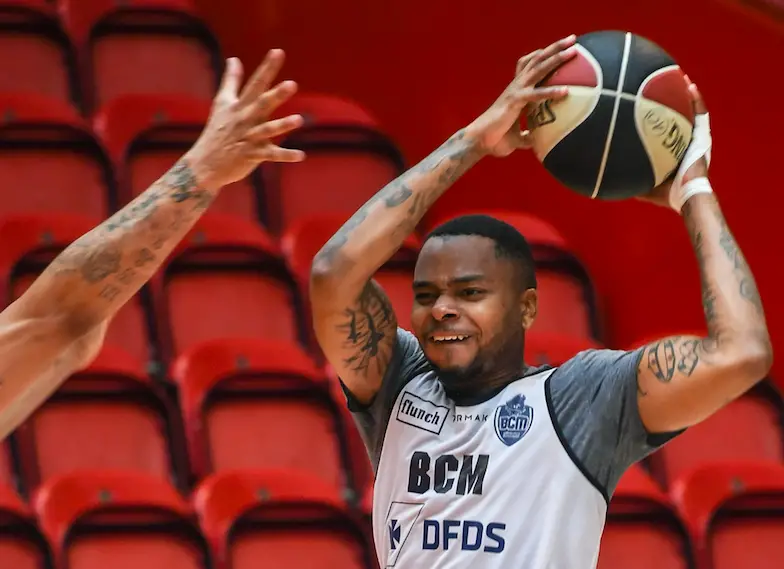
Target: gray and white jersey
[521,479]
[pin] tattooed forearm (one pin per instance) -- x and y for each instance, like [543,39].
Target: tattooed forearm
[368,329]
[393,213]
[730,301]
[102,269]
[724,272]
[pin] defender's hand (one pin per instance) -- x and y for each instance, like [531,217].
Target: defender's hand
[238,135]
[660,195]
[498,130]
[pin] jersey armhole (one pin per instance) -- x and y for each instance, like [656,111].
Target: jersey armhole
[565,444]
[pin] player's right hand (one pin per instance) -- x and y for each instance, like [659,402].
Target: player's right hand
[497,130]
[238,135]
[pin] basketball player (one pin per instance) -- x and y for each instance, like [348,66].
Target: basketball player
[58,325]
[482,461]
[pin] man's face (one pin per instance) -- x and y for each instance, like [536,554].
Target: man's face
[468,304]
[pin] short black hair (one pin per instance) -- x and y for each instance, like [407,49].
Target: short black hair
[509,242]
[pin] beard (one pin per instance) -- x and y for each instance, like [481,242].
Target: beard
[483,376]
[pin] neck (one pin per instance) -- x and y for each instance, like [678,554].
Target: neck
[473,388]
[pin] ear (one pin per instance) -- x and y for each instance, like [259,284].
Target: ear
[529,305]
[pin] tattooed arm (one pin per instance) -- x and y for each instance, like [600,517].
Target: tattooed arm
[353,319]
[58,325]
[682,380]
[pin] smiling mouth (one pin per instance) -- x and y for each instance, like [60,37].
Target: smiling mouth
[443,339]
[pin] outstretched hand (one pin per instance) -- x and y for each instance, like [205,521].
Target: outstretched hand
[498,129]
[238,135]
[660,195]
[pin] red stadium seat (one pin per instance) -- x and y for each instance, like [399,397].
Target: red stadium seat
[567,303]
[735,513]
[147,134]
[349,160]
[227,279]
[286,518]
[259,404]
[547,348]
[21,544]
[36,130]
[643,529]
[30,242]
[307,235]
[142,46]
[121,520]
[7,474]
[108,416]
[39,57]
[749,428]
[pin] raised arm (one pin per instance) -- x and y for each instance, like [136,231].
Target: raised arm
[353,319]
[57,326]
[682,380]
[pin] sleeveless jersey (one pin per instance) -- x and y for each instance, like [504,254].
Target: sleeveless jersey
[489,486]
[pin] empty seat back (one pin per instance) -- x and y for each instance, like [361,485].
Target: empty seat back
[39,55]
[78,176]
[747,429]
[735,512]
[349,160]
[143,46]
[252,404]
[21,544]
[109,416]
[286,518]
[643,528]
[227,280]
[114,519]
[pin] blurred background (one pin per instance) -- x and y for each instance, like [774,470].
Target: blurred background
[209,433]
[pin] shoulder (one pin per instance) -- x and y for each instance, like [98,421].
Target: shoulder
[593,375]
[600,360]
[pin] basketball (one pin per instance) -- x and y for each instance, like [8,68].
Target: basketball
[626,123]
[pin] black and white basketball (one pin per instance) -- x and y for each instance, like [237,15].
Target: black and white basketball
[626,123]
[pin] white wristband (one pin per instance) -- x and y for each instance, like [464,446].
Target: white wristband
[700,146]
[689,190]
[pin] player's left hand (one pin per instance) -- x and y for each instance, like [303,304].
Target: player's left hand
[660,195]
[497,130]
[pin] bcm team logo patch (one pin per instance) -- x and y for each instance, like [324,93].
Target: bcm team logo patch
[513,419]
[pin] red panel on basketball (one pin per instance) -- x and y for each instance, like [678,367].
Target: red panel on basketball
[626,123]
[667,89]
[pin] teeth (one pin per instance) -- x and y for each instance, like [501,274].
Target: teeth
[457,337]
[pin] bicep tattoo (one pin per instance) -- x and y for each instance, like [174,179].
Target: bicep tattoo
[367,330]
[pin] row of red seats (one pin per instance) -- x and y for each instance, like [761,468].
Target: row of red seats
[250,403]
[87,52]
[94,167]
[718,517]
[229,278]
[98,519]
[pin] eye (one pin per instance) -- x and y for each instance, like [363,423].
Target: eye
[423,297]
[471,292]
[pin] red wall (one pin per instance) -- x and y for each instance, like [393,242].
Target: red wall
[426,68]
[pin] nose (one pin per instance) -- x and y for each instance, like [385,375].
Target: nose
[444,309]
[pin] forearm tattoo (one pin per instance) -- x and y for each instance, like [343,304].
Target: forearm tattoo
[727,283]
[121,253]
